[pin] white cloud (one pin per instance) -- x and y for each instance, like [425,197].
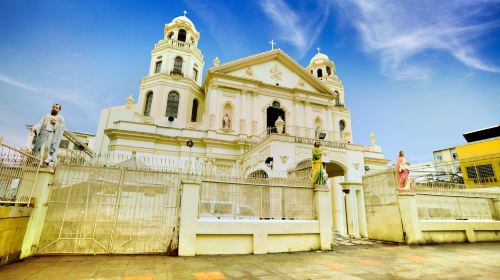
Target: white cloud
[71,96]
[299,29]
[397,31]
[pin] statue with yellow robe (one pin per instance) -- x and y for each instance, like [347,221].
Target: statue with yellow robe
[317,176]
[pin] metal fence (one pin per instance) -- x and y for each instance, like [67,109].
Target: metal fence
[96,209]
[257,198]
[453,205]
[18,173]
[380,188]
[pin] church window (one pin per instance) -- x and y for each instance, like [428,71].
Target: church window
[170,34]
[276,104]
[328,70]
[158,67]
[64,144]
[320,73]
[342,126]
[182,35]
[194,112]
[195,74]
[172,104]
[147,105]
[337,98]
[312,72]
[177,66]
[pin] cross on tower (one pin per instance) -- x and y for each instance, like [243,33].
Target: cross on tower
[185,12]
[272,42]
[318,49]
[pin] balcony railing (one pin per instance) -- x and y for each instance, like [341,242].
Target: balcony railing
[176,72]
[304,134]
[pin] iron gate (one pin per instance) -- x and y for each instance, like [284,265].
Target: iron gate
[111,210]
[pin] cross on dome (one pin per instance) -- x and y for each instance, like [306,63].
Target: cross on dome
[272,42]
[318,49]
[185,12]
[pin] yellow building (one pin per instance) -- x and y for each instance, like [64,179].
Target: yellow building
[480,158]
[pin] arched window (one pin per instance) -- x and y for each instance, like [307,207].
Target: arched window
[276,104]
[147,103]
[178,66]
[312,72]
[337,98]
[170,34]
[342,125]
[320,73]
[182,35]
[328,70]
[194,112]
[172,104]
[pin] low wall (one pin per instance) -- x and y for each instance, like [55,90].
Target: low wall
[13,223]
[213,235]
[229,236]
[479,221]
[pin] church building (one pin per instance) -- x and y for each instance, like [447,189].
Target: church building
[262,112]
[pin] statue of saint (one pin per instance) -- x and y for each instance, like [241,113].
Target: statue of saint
[226,122]
[48,132]
[317,176]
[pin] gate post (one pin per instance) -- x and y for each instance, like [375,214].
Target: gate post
[323,204]
[35,225]
[188,223]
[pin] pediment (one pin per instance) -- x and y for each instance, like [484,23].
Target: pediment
[275,68]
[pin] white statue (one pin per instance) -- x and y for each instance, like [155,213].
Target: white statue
[226,122]
[48,132]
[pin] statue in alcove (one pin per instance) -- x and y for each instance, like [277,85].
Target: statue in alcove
[318,173]
[226,122]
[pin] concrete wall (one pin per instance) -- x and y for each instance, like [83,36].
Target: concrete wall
[13,223]
[210,235]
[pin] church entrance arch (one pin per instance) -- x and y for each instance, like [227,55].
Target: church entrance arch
[273,112]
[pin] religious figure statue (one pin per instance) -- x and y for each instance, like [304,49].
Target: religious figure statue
[48,132]
[280,124]
[402,172]
[226,122]
[317,175]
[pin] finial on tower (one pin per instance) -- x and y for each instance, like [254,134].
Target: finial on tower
[185,12]
[318,49]
[272,42]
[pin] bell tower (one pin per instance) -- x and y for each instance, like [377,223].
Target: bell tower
[177,53]
[323,68]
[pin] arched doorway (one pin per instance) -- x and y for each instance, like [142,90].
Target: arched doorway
[273,112]
[337,173]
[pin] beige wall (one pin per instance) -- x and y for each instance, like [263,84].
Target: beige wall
[13,223]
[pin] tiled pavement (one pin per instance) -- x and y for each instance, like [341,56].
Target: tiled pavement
[379,261]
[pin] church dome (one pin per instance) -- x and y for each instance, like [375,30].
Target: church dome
[184,19]
[319,57]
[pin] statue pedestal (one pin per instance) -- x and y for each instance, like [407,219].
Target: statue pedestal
[320,187]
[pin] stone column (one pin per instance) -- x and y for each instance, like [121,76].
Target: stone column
[188,217]
[35,225]
[243,112]
[353,208]
[324,215]
[255,114]
[338,206]
[409,217]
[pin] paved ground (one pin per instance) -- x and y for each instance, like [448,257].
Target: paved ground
[381,261]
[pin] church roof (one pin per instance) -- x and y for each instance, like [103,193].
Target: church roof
[266,56]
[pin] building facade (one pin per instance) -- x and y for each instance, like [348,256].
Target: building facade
[247,113]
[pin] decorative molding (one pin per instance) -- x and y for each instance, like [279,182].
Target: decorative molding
[249,72]
[276,73]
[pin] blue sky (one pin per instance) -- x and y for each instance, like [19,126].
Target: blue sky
[416,73]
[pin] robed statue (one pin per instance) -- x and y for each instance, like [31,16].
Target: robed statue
[48,133]
[318,172]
